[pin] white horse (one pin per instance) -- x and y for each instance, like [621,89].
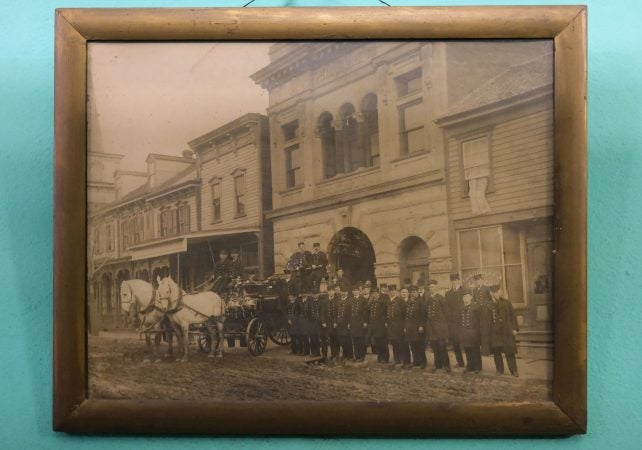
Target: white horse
[203,308]
[141,294]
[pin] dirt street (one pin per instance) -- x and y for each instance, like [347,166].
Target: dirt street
[117,371]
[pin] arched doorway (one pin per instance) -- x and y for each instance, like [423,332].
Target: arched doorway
[351,250]
[413,261]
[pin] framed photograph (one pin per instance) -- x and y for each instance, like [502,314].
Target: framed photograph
[355,221]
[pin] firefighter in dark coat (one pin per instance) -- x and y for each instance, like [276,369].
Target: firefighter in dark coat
[321,301]
[236,266]
[469,332]
[504,327]
[437,327]
[415,326]
[378,315]
[342,324]
[359,318]
[454,305]
[318,267]
[395,325]
[332,321]
[481,296]
[481,292]
[340,280]
[299,264]
[294,323]
[308,326]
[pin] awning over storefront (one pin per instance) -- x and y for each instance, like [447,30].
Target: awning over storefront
[178,244]
[204,236]
[154,249]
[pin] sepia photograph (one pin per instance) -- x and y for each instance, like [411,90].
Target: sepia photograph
[320,220]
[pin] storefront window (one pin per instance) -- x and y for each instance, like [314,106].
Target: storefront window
[496,253]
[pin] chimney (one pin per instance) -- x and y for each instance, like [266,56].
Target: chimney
[127,181]
[161,168]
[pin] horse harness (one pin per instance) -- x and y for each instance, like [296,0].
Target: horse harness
[180,305]
[151,307]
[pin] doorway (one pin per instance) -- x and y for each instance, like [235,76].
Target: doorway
[351,250]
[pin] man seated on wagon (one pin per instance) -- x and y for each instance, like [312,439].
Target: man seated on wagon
[236,265]
[221,272]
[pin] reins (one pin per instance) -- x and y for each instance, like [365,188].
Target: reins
[150,307]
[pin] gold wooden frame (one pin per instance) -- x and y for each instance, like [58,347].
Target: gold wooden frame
[565,414]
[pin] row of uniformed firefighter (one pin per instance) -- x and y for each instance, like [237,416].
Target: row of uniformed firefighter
[339,324]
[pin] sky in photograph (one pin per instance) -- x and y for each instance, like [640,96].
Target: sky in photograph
[154,98]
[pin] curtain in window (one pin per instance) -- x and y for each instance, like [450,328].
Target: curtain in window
[478,202]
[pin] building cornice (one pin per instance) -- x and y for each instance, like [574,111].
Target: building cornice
[302,59]
[116,156]
[350,197]
[153,156]
[224,133]
[541,212]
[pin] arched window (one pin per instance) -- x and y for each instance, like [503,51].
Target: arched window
[371,129]
[353,156]
[327,135]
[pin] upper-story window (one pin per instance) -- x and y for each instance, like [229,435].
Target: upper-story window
[327,135]
[138,225]
[183,213]
[125,234]
[108,237]
[149,224]
[216,199]
[412,127]
[475,159]
[412,114]
[167,223]
[290,130]
[409,83]
[239,192]
[353,152]
[96,240]
[477,173]
[371,129]
[293,166]
[293,175]
[352,141]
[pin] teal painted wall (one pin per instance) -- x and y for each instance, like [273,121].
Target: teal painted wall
[615,241]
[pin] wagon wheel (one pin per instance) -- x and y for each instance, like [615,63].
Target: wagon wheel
[256,337]
[205,342]
[280,336]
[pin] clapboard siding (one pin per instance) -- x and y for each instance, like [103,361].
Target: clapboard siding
[245,158]
[522,165]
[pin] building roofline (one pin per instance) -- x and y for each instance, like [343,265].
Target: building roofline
[106,155]
[301,58]
[165,188]
[130,172]
[226,129]
[515,101]
[169,158]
